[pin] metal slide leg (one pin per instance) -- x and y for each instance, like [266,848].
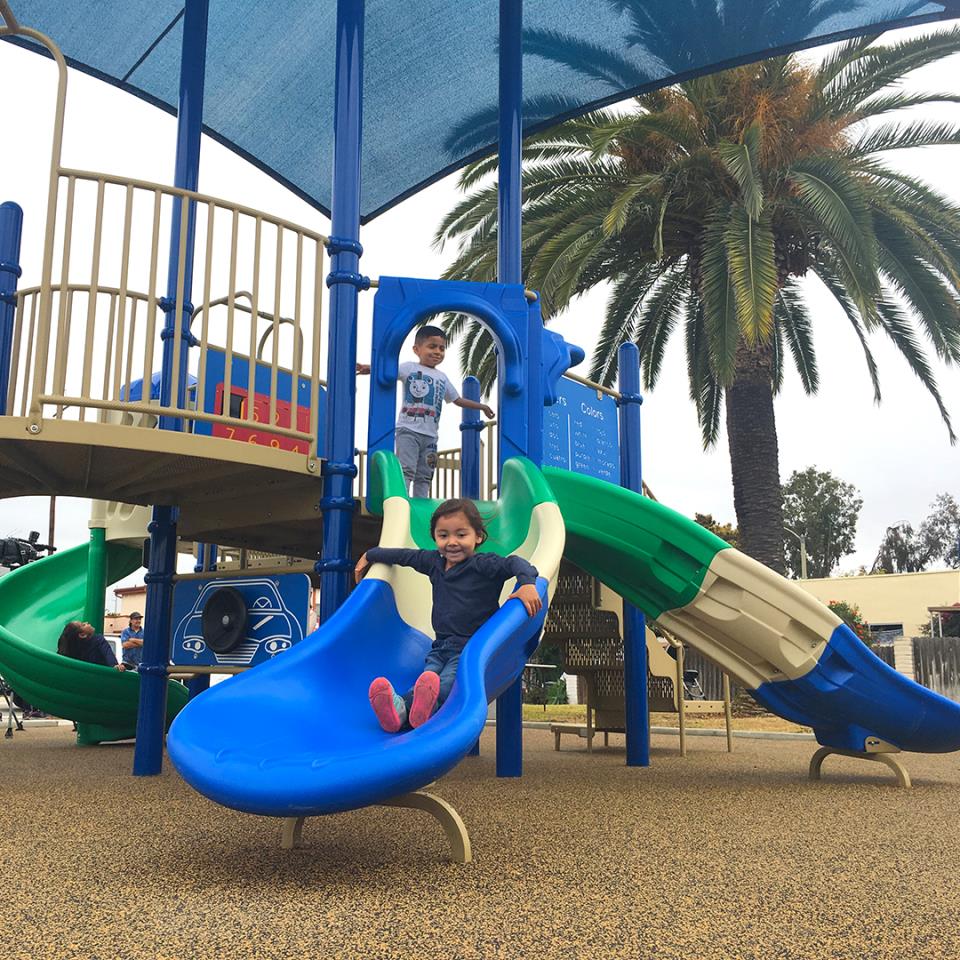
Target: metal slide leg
[887,759]
[453,826]
[292,833]
[439,809]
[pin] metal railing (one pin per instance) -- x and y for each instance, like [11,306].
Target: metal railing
[95,325]
[82,344]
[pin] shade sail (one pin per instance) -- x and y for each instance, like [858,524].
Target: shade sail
[430,81]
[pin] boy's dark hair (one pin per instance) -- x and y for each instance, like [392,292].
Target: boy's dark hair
[424,333]
[468,508]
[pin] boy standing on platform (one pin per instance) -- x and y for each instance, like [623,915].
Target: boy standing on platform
[425,389]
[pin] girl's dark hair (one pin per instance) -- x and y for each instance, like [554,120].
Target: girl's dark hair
[69,643]
[468,508]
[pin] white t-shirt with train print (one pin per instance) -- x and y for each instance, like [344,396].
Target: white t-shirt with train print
[424,391]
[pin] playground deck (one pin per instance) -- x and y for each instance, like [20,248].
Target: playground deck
[716,856]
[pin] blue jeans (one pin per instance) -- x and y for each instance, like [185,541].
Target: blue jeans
[443,658]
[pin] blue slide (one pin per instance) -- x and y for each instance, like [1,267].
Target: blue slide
[322,751]
[319,748]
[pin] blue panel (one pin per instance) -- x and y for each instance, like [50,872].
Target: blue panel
[580,432]
[851,696]
[323,750]
[430,75]
[212,401]
[277,615]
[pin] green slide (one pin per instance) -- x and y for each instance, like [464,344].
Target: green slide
[756,625]
[36,600]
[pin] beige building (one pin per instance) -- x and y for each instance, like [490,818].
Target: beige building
[891,601]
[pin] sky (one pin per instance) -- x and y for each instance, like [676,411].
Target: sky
[896,454]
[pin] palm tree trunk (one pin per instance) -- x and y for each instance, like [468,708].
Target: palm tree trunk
[754,456]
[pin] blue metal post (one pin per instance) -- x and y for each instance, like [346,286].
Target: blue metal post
[471,426]
[509,270]
[151,715]
[11,226]
[634,623]
[345,283]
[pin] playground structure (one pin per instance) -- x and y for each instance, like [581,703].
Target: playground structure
[215,415]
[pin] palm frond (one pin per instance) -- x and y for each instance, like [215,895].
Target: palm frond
[719,299]
[794,320]
[753,272]
[828,273]
[877,67]
[836,203]
[927,294]
[882,104]
[898,328]
[705,390]
[742,162]
[905,136]
[622,315]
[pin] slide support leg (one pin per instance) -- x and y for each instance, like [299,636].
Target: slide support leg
[453,826]
[887,759]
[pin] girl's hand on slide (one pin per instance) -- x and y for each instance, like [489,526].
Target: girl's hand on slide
[528,596]
[360,569]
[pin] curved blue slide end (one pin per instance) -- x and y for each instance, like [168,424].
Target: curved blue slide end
[296,736]
[852,698]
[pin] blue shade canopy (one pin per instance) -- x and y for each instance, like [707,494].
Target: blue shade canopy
[430,73]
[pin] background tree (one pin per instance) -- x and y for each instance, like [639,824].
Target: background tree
[704,206]
[725,531]
[906,550]
[940,532]
[823,510]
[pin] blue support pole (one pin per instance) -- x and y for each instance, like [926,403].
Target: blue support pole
[634,623]
[197,685]
[11,227]
[151,714]
[509,270]
[152,708]
[345,283]
[471,426]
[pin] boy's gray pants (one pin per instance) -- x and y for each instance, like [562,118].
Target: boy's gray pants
[417,454]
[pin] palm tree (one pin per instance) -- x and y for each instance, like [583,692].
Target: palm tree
[704,205]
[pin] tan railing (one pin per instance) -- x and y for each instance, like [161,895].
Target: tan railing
[95,324]
[81,344]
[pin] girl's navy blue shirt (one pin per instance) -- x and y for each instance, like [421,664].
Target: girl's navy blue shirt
[467,594]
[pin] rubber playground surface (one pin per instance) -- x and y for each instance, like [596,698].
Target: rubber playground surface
[713,856]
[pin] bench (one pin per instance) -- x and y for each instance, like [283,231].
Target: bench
[559,729]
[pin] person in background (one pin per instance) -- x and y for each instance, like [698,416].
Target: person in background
[80,641]
[131,642]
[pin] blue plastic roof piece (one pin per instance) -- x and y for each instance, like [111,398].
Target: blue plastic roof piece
[136,388]
[430,71]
